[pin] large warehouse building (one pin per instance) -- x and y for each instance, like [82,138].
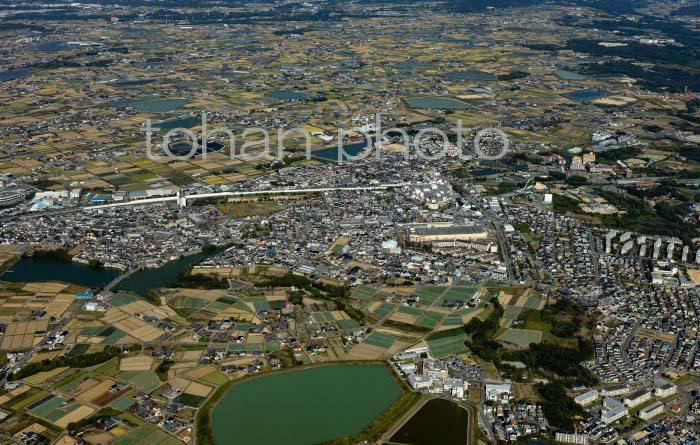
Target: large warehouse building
[428,233]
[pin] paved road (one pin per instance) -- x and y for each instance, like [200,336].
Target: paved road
[8,218]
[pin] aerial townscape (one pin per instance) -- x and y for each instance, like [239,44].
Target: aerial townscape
[449,222]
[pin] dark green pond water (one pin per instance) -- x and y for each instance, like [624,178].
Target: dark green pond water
[13,74]
[304,407]
[439,421]
[587,95]
[569,75]
[152,106]
[28,270]
[290,95]
[436,103]
[331,153]
[142,281]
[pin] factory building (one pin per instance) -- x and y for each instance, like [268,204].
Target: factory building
[428,233]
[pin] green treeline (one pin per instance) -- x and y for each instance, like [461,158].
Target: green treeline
[558,407]
[186,279]
[482,332]
[77,361]
[559,360]
[53,254]
[322,291]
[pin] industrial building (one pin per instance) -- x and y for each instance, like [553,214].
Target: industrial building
[428,233]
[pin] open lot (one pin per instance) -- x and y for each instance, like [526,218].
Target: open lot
[521,337]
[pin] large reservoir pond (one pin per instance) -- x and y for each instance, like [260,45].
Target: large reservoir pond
[350,149]
[152,106]
[438,421]
[142,281]
[436,103]
[586,95]
[29,270]
[306,406]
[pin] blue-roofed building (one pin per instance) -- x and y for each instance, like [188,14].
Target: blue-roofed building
[87,295]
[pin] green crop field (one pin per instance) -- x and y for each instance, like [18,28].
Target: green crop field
[459,293]
[147,434]
[122,299]
[190,400]
[510,313]
[348,324]
[217,378]
[380,339]
[533,303]
[428,295]
[364,293]
[123,403]
[147,380]
[383,310]
[443,347]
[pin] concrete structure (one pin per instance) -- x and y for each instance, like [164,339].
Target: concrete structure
[616,390]
[608,241]
[669,250]
[426,233]
[581,439]
[587,397]
[637,398]
[666,390]
[613,415]
[182,199]
[8,199]
[657,249]
[411,353]
[455,387]
[651,411]
[419,382]
[613,410]
[627,247]
[435,368]
[434,195]
[501,392]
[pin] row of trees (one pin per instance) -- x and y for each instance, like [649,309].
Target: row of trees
[76,361]
[320,290]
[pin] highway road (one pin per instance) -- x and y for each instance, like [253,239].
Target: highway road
[187,198]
